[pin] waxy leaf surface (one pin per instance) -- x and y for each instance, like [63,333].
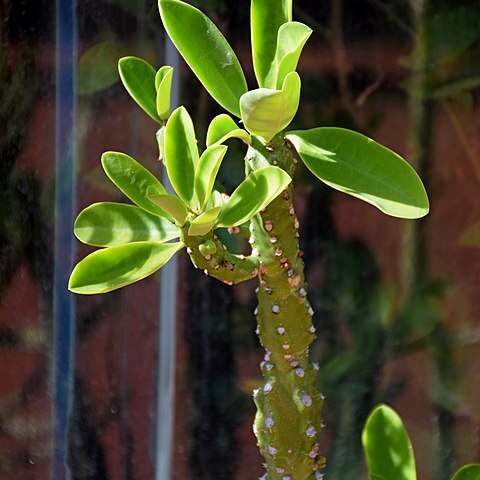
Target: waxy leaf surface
[108,224]
[173,205]
[387,447]
[138,77]
[253,195]
[181,154]
[266,112]
[267,16]
[352,163]
[206,51]
[202,224]
[468,472]
[206,172]
[115,267]
[163,84]
[134,180]
[222,127]
[292,37]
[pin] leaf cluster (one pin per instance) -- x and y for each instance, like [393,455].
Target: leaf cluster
[343,159]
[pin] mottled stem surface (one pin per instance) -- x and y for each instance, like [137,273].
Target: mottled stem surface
[289,404]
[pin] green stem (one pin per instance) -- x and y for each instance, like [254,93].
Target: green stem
[223,265]
[288,419]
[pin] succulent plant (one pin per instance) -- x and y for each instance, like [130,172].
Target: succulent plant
[137,238]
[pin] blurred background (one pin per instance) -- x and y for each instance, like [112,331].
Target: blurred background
[86,382]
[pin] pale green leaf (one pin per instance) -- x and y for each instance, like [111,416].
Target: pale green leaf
[266,112]
[291,40]
[134,180]
[162,72]
[108,224]
[354,164]
[222,127]
[253,195]
[215,200]
[206,51]
[171,204]
[115,267]
[267,16]
[97,67]
[202,224]
[387,447]
[138,77]
[163,84]
[206,172]
[468,472]
[181,155]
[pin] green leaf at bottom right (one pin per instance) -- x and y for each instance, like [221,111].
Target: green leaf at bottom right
[355,164]
[468,472]
[387,447]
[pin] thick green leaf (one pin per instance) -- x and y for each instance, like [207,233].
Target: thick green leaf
[267,16]
[386,445]
[206,51]
[138,77]
[291,40]
[352,163]
[181,155]
[173,205]
[266,112]
[468,472]
[253,195]
[135,181]
[97,67]
[222,127]
[115,267]
[108,224]
[206,172]
[163,84]
[204,222]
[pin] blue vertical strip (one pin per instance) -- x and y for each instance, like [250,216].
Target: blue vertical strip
[168,323]
[65,173]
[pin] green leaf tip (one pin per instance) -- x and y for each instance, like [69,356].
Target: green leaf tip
[206,172]
[292,37]
[209,56]
[387,447]
[138,77]
[468,472]
[134,180]
[355,164]
[115,267]
[267,16]
[223,127]
[171,204]
[163,84]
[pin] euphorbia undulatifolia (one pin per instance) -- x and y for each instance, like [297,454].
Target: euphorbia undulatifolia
[137,237]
